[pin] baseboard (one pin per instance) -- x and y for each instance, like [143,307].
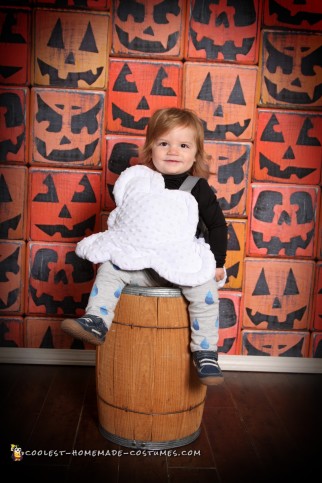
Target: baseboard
[15,355]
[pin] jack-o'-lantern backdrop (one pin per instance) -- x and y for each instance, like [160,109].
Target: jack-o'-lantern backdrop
[78,84]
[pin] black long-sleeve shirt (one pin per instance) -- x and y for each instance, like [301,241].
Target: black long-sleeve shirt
[209,211]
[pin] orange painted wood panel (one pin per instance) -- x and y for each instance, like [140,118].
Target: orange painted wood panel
[305,15]
[12,276]
[67,127]
[282,220]
[223,31]
[64,205]
[288,147]
[229,321]
[11,332]
[317,306]
[315,349]
[277,294]
[224,97]
[121,153]
[15,28]
[290,75]
[13,202]
[275,343]
[235,253]
[14,121]
[58,281]
[148,29]
[70,48]
[85,4]
[45,333]
[229,175]
[137,88]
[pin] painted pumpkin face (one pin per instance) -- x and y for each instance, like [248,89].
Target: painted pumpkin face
[67,127]
[283,220]
[64,205]
[137,89]
[224,30]
[277,294]
[291,73]
[11,332]
[229,303]
[59,281]
[15,40]
[12,262]
[230,165]
[223,97]
[13,195]
[275,344]
[70,49]
[148,28]
[13,104]
[235,252]
[288,147]
[46,333]
[121,153]
[306,14]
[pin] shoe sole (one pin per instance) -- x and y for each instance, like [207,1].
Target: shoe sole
[212,380]
[75,330]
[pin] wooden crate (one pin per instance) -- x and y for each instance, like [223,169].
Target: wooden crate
[317,304]
[12,276]
[229,168]
[136,89]
[151,32]
[293,15]
[315,349]
[223,96]
[229,321]
[14,119]
[15,28]
[58,281]
[222,33]
[282,220]
[64,205]
[235,253]
[67,127]
[11,332]
[288,147]
[45,333]
[275,343]
[277,294]
[70,48]
[121,153]
[13,197]
[290,75]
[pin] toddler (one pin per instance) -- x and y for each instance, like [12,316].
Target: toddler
[151,238]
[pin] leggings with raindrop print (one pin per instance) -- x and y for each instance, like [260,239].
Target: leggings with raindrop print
[203,301]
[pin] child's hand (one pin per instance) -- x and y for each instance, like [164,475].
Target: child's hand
[220,274]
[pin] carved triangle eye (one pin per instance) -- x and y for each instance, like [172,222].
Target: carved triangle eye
[261,287]
[291,285]
[205,93]
[56,39]
[237,95]
[88,43]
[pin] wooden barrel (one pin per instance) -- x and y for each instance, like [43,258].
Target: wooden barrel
[148,392]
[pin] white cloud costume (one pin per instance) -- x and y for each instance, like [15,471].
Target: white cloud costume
[152,227]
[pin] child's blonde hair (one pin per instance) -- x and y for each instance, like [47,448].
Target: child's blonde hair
[161,122]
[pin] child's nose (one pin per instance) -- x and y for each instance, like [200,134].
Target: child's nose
[172,150]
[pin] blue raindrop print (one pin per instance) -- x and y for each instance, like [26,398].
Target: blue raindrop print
[195,324]
[94,291]
[209,298]
[117,293]
[103,310]
[217,323]
[204,344]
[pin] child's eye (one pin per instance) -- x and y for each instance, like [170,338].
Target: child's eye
[184,145]
[163,143]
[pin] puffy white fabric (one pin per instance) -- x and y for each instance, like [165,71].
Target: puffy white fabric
[152,227]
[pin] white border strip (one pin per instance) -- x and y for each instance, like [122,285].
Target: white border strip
[20,355]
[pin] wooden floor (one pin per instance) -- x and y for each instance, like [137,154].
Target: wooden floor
[257,428]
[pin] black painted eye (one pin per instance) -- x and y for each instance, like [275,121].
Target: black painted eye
[161,11]
[265,204]
[51,195]
[291,285]
[131,8]
[46,113]
[261,287]
[305,212]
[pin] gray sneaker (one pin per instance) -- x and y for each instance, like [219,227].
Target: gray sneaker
[206,363]
[89,328]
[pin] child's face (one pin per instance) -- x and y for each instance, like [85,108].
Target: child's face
[175,151]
